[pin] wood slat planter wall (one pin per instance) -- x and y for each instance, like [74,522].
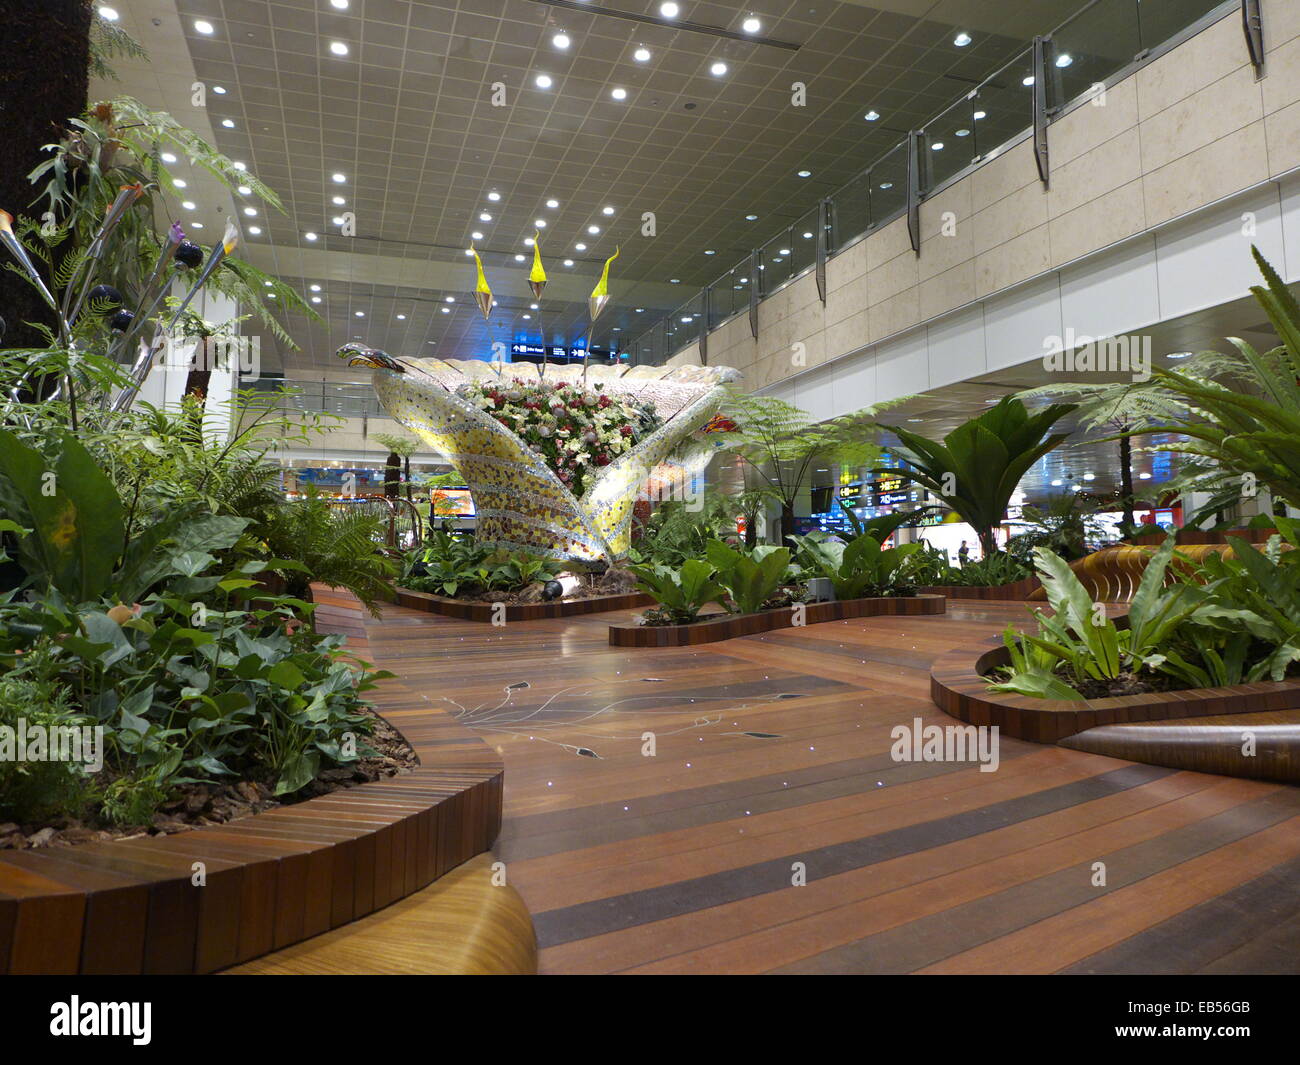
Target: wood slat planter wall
[1020,589]
[272,879]
[959,688]
[470,611]
[732,625]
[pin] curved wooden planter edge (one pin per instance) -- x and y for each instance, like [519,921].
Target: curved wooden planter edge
[270,880]
[1020,589]
[463,610]
[959,688]
[733,625]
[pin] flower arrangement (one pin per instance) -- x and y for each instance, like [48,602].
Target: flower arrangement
[576,431]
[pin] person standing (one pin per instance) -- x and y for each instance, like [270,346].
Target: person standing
[963,553]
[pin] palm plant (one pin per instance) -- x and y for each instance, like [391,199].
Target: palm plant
[782,446]
[979,464]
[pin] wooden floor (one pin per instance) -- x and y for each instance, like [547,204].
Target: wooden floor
[771,753]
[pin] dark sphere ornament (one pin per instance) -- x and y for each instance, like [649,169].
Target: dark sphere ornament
[419,569]
[552,590]
[188,254]
[121,321]
[105,294]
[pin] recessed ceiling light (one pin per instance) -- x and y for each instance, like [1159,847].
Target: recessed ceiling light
[552,204]
[338,48]
[561,41]
[342,5]
[255,230]
[220,90]
[709,251]
[244,190]
[484,216]
[580,247]
[315,299]
[1180,354]
[315,288]
[338,179]
[309,235]
[519,258]
[937,146]
[196,225]
[1144,476]
[361,314]
[718,69]
[1064,59]
[167,157]
[540,223]
[179,183]
[1028,80]
[669,9]
[469,251]
[528,241]
[674,280]
[642,55]
[639,310]
[494,196]
[751,218]
[451,299]
[338,201]
[229,123]
[607,210]
[204,27]
[240,166]
[805,173]
[785,251]
[446,310]
[401,317]
[476,235]
[188,205]
[1055,484]
[618,93]
[543,81]
[1076,488]
[568,262]
[1089,476]
[978,115]
[337,219]
[886,184]
[872,116]
[250,211]
[527,317]
[108,14]
[961,40]
[963,133]
[593,230]
[532,306]
[751,25]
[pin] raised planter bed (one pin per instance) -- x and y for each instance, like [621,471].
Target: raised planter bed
[1200,536]
[1020,589]
[732,625]
[959,688]
[272,879]
[464,610]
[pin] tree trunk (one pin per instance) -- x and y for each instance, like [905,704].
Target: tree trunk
[787,521]
[43,82]
[392,476]
[1126,477]
[407,470]
[988,542]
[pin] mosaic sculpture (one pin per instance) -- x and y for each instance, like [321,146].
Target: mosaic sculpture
[521,502]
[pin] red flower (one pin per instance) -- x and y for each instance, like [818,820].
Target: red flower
[626,430]
[602,460]
[604,401]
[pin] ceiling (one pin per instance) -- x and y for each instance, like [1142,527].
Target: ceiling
[407,117]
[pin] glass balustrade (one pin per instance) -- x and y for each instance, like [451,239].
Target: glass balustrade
[1103,38]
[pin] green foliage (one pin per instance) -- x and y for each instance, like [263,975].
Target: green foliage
[859,569]
[979,464]
[35,790]
[750,579]
[682,528]
[931,567]
[457,565]
[681,592]
[337,546]
[1064,526]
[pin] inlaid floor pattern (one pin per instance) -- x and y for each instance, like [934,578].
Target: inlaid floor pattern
[735,808]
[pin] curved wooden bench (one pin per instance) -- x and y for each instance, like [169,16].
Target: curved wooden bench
[270,880]
[732,625]
[460,925]
[1112,574]
[1020,589]
[1206,745]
